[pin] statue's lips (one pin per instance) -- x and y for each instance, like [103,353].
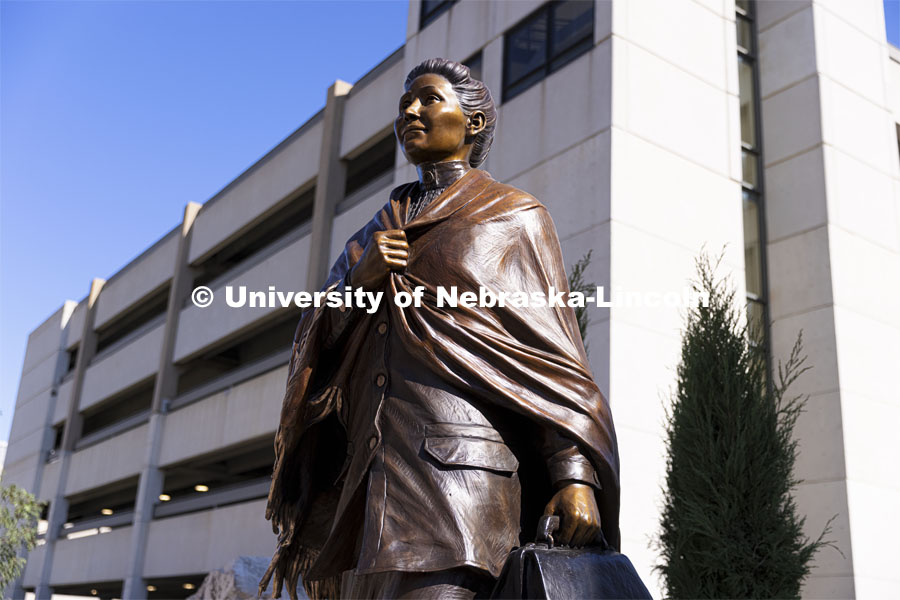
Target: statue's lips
[406,132]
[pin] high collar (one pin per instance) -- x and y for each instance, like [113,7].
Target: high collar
[439,175]
[450,200]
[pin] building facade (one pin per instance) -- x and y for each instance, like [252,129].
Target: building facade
[651,130]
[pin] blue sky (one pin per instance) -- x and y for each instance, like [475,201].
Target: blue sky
[114,115]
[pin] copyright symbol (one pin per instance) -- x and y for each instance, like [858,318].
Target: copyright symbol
[202,296]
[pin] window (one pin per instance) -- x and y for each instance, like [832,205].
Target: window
[118,408]
[93,507]
[898,138]
[264,234]
[474,63]
[149,309]
[226,469]
[58,436]
[227,477]
[56,451]
[432,9]
[371,163]
[751,163]
[547,40]
[270,339]
[73,360]
[169,588]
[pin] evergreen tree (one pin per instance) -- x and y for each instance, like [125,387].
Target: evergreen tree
[730,527]
[578,284]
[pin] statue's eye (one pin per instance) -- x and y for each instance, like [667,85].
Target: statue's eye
[432,99]
[405,104]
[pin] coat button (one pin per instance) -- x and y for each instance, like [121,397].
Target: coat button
[379,381]
[382,328]
[373,441]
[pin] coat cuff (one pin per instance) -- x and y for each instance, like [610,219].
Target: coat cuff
[569,466]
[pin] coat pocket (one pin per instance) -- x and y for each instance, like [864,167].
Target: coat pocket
[472,452]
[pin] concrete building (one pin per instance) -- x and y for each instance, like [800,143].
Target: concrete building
[650,129]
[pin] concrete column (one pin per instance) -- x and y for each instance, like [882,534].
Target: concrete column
[663,93]
[18,592]
[151,478]
[329,185]
[834,253]
[59,507]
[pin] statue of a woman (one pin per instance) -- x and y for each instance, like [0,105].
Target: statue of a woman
[419,445]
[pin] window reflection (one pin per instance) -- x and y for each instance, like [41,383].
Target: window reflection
[744,35]
[475,66]
[432,9]
[749,167]
[751,161]
[748,107]
[545,41]
[752,256]
[526,49]
[756,324]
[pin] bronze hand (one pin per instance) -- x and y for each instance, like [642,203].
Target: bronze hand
[387,251]
[579,516]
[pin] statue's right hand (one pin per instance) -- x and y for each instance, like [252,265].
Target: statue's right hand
[386,251]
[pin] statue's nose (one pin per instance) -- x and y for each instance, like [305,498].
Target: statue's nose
[412,111]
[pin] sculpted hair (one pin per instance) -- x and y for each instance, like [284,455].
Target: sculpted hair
[472,94]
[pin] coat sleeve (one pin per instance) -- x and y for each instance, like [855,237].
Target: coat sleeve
[565,462]
[537,262]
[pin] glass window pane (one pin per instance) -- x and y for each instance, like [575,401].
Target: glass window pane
[744,35]
[526,49]
[370,164]
[474,64]
[522,85]
[756,321]
[748,102]
[752,256]
[432,9]
[573,21]
[571,54]
[749,167]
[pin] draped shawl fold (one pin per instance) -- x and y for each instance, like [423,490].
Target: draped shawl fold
[528,360]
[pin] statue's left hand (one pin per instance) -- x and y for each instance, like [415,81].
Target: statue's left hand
[579,516]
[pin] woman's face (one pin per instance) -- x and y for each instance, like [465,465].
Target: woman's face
[431,126]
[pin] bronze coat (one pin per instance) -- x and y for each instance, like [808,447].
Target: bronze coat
[527,363]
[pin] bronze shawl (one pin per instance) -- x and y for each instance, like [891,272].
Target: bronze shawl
[529,360]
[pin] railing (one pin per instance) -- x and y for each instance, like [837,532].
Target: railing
[231,378]
[117,520]
[114,429]
[257,257]
[129,337]
[251,490]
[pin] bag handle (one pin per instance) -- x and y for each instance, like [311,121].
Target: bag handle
[547,526]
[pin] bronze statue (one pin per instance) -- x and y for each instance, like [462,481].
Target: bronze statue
[418,446]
